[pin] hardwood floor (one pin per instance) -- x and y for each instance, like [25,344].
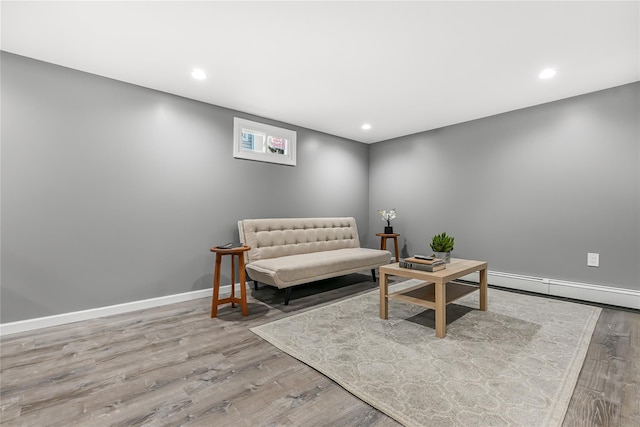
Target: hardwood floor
[608,389]
[173,365]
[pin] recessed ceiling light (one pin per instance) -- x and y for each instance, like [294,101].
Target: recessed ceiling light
[366,126]
[198,74]
[547,73]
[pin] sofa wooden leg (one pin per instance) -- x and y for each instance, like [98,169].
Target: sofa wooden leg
[287,295]
[373,274]
[255,285]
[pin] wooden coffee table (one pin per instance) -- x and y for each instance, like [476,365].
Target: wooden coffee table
[437,290]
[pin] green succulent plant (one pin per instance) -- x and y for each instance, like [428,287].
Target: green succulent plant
[442,243]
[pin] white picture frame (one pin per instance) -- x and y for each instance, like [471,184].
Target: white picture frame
[263,143]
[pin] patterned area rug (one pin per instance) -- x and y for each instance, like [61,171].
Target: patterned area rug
[515,364]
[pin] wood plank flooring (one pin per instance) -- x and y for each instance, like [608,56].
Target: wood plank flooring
[175,366]
[608,389]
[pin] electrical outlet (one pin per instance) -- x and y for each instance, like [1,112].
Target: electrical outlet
[593,260]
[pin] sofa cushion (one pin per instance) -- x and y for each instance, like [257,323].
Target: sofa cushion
[291,270]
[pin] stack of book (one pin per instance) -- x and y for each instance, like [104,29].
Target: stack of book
[423,263]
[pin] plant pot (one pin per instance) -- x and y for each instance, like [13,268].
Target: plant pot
[446,256]
[388,230]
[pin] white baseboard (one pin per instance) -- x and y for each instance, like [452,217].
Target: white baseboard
[93,313]
[581,291]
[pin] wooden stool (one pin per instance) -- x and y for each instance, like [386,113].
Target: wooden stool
[215,302]
[383,242]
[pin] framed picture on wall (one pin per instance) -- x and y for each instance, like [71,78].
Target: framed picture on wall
[264,143]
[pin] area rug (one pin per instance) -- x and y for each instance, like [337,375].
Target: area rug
[515,364]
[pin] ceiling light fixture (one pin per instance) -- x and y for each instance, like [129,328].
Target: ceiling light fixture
[366,126]
[198,74]
[547,73]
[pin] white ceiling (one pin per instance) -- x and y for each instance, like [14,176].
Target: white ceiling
[403,67]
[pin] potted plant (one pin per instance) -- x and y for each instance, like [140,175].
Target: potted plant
[442,245]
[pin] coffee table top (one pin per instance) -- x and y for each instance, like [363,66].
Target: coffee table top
[457,268]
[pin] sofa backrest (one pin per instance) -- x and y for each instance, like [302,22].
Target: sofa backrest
[276,237]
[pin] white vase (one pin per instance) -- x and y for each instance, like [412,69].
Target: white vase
[446,256]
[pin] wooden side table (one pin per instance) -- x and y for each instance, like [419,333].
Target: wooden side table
[383,242]
[215,301]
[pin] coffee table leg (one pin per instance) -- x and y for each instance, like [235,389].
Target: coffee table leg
[441,309]
[483,289]
[384,291]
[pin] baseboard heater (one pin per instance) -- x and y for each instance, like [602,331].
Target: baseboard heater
[580,291]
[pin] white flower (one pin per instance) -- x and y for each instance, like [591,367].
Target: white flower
[387,215]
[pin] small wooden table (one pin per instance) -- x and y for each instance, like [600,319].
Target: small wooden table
[215,301]
[436,291]
[383,242]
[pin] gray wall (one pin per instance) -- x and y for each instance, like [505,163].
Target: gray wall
[531,191]
[114,193]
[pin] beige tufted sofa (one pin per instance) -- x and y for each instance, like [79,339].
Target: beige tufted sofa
[286,252]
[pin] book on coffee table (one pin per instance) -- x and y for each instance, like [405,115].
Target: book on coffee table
[424,267]
[432,261]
